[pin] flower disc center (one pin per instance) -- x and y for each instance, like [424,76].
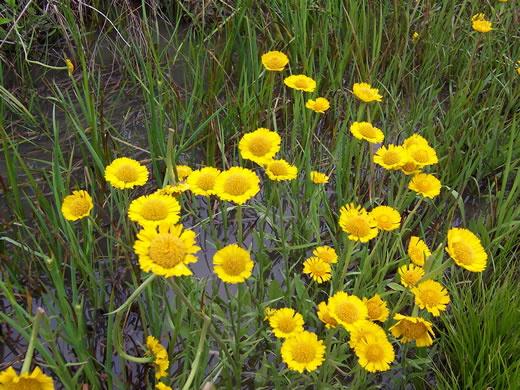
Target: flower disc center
[127,173]
[167,250]
[236,184]
[154,210]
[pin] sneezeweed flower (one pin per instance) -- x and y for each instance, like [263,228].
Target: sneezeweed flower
[377,309]
[410,274]
[357,223]
[430,295]
[70,65]
[426,185]
[183,171]
[303,352]
[36,380]
[415,36]
[317,269]
[286,322]
[275,60]
[281,170]
[363,329]
[387,218]
[348,310]
[260,146]
[268,313]
[202,181]
[162,386]
[126,173]
[375,353]
[365,130]
[390,157]
[326,253]
[465,249]
[413,329]
[319,178]
[480,24]
[418,251]
[232,264]
[518,69]
[365,92]
[154,209]
[175,190]
[325,317]
[415,139]
[408,165]
[319,105]
[422,155]
[77,205]
[166,250]
[237,185]
[160,355]
[300,82]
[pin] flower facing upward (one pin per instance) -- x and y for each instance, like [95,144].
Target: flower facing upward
[300,82]
[375,353]
[37,380]
[154,209]
[303,352]
[274,60]
[480,24]
[410,274]
[387,218]
[365,130]
[348,310]
[166,251]
[357,223]
[415,139]
[465,249]
[202,182]
[319,178]
[183,171]
[317,269]
[418,251]
[260,146]
[325,317]
[126,173]
[77,205]
[237,185]
[363,329]
[430,295]
[232,264]
[390,157]
[319,105]
[365,92]
[326,253]
[160,355]
[426,185]
[422,155]
[413,328]
[377,309]
[286,322]
[281,170]
[408,166]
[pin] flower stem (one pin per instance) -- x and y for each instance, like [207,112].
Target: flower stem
[346,261]
[30,348]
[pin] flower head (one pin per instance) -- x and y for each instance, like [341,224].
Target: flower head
[162,386]
[281,170]
[154,209]
[36,380]
[365,92]
[426,185]
[357,223]
[274,60]
[183,171]
[70,65]
[319,178]
[408,165]
[387,218]
[365,130]
[202,181]
[390,157]
[430,295]
[363,329]
[260,146]
[237,185]
[325,317]
[233,264]
[126,173]
[410,274]
[160,355]
[175,190]
[375,353]
[348,310]
[300,82]
[413,328]
[303,352]
[465,249]
[77,205]
[286,322]
[415,139]
[319,105]
[377,309]
[326,253]
[317,269]
[422,155]
[415,36]
[418,251]
[480,24]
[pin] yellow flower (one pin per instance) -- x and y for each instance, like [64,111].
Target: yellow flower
[162,386]
[319,105]
[422,155]
[377,309]
[274,60]
[391,157]
[303,352]
[126,173]
[363,329]
[430,295]
[232,264]
[357,223]
[269,312]
[365,130]
[70,65]
[418,251]
[415,139]
[160,355]
[408,165]
[426,185]
[260,146]
[415,36]
[286,322]
[386,217]
[465,249]
[518,69]
[300,82]
[175,190]
[348,310]
[202,181]
[77,205]
[319,178]
[154,209]
[325,317]
[237,185]
[410,274]
[317,269]
[480,24]
[37,380]
[326,253]
[375,353]
[365,92]
[413,328]
[281,170]
[183,171]
[167,251]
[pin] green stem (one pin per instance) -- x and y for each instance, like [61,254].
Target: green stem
[134,294]
[118,344]
[30,348]
[239,221]
[198,353]
[346,261]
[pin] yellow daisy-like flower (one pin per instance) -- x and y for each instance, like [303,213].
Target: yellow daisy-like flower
[426,185]
[269,312]
[233,264]
[160,355]
[518,69]
[348,310]
[126,173]
[375,353]
[281,170]
[363,329]
[317,269]
[154,209]
[319,178]
[237,185]
[422,155]
[166,251]
[260,146]
[183,171]
[365,92]
[357,223]
[390,157]
[162,386]
[77,205]
[410,274]
[418,251]
[413,328]
[430,295]
[286,322]
[36,380]
[202,181]
[70,65]
[175,190]
[303,352]
[365,130]
[480,24]
[326,253]
[300,82]
[408,165]
[415,36]
[377,309]
[465,249]
[319,105]
[387,218]
[325,317]
[415,139]
[275,60]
